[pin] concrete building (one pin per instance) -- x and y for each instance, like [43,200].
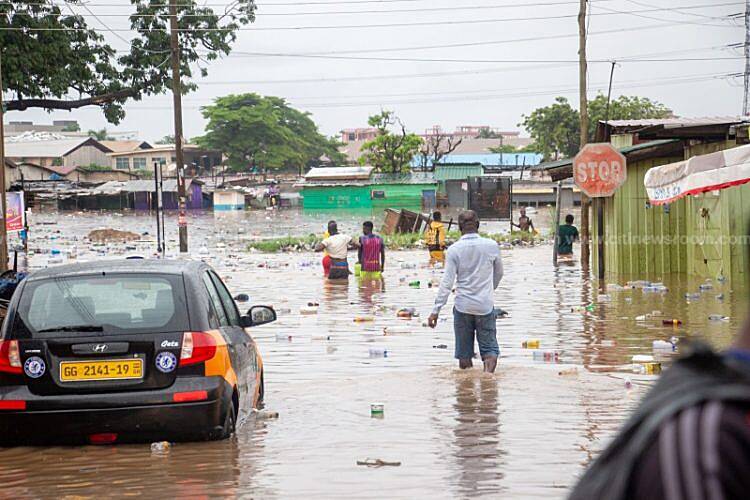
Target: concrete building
[195,157]
[358,134]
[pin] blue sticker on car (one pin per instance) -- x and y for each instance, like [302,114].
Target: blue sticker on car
[166,362]
[34,367]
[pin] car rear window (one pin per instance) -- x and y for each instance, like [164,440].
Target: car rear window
[112,304]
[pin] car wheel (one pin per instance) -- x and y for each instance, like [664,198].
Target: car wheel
[230,422]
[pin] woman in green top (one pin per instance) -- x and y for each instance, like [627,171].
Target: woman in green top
[566,235]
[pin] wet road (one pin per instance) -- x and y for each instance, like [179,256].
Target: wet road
[525,432]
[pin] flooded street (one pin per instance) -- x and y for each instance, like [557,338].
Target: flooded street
[526,432]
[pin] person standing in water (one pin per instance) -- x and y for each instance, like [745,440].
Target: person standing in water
[337,245]
[473,263]
[525,223]
[566,234]
[327,258]
[435,239]
[371,253]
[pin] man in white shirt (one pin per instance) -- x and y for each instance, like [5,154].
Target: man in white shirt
[337,245]
[474,264]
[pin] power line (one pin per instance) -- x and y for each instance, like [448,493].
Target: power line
[386,25]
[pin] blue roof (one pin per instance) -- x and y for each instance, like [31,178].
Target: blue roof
[490,159]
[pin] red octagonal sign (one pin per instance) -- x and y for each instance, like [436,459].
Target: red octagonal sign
[599,169]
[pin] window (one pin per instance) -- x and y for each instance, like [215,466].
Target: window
[226,299]
[352,136]
[158,159]
[57,162]
[139,163]
[378,195]
[122,163]
[119,304]
[215,300]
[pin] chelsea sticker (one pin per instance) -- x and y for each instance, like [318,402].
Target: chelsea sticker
[34,367]
[166,362]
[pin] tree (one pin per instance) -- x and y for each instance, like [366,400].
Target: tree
[72,127]
[167,139]
[505,148]
[100,135]
[436,146]
[49,55]
[488,133]
[390,152]
[264,132]
[556,128]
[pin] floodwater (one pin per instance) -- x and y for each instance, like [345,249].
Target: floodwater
[526,432]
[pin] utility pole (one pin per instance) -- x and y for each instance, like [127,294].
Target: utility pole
[745,103]
[584,114]
[3,227]
[177,96]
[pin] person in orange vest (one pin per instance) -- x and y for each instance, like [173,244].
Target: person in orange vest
[435,239]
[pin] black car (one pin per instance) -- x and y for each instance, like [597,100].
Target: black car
[127,350]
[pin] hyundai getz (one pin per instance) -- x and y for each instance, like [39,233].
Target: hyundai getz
[127,350]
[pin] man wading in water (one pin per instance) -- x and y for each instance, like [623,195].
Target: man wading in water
[337,245]
[474,264]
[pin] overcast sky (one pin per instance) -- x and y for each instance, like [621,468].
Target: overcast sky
[341,92]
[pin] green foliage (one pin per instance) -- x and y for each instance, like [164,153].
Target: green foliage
[94,167]
[264,132]
[488,133]
[556,128]
[390,152]
[167,139]
[505,148]
[72,127]
[50,53]
[100,135]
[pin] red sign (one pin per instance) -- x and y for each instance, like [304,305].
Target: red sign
[599,169]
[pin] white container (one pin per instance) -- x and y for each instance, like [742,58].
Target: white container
[662,345]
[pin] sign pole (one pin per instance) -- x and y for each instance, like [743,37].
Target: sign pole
[558,209]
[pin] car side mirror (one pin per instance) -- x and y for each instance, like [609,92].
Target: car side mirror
[259,315]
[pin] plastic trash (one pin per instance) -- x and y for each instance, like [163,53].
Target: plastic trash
[642,317]
[628,384]
[321,337]
[440,346]
[662,345]
[408,265]
[364,319]
[721,278]
[720,296]
[161,447]
[671,322]
[396,330]
[407,313]
[377,409]
[546,356]
[608,343]
[531,344]
[590,308]
[308,310]
[283,310]
[568,372]
[330,349]
[718,317]
[705,287]
[414,284]
[638,283]
[283,336]
[377,352]
[692,296]
[265,415]
[242,297]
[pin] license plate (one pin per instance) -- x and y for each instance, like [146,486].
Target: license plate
[118,369]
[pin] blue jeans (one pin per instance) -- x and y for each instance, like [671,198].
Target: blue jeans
[466,326]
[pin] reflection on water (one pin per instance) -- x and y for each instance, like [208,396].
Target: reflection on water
[526,432]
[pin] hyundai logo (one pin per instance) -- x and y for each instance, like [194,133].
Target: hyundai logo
[99,348]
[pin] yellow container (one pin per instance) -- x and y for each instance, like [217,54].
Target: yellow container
[357,269]
[531,344]
[652,368]
[363,319]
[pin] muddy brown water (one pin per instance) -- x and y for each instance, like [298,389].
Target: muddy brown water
[526,432]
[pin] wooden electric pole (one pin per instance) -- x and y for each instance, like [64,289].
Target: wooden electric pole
[745,104]
[3,227]
[177,96]
[584,114]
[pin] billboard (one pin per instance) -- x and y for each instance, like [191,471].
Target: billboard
[491,197]
[14,211]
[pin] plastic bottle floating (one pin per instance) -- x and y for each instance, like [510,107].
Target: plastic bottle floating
[718,317]
[531,344]
[364,319]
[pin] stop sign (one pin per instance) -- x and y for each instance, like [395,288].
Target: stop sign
[599,169]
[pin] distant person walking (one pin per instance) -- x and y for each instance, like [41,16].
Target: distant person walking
[435,239]
[337,245]
[474,264]
[567,234]
[525,223]
[371,253]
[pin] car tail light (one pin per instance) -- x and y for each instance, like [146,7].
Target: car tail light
[197,347]
[103,438]
[10,358]
[185,397]
[12,404]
